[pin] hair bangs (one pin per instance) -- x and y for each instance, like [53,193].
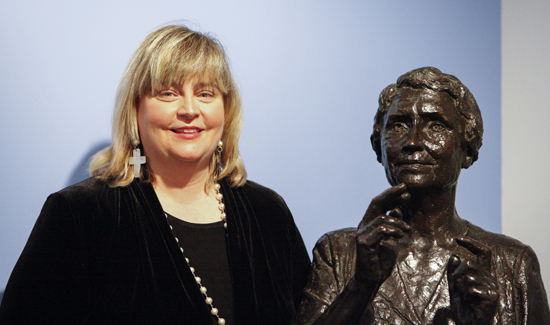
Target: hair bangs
[177,61]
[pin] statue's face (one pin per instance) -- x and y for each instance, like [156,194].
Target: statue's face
[422,140]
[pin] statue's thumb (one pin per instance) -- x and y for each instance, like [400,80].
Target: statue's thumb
[453,264]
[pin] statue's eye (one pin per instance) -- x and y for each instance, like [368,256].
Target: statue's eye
[397,127]
[437,127]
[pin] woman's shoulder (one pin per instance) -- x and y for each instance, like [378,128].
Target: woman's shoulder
[90,187]
[89,195]
[260,192]
[258,198]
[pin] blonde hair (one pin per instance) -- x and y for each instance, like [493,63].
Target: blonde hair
[169,56]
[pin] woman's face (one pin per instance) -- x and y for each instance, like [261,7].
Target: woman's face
[422,140]
[181,124]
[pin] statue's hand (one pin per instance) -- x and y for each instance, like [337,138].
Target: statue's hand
[383,220]
[472,287]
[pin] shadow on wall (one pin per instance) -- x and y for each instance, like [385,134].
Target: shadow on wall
[81,171]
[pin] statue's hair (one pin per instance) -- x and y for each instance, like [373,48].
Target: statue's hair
[432,78]
[170,56]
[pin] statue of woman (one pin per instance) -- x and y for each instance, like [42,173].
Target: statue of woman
[412,259]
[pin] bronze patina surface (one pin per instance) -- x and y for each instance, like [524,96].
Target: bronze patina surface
[412,259]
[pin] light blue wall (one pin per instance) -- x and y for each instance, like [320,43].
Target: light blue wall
[310,74]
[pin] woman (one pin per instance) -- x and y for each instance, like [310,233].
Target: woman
[177,236]
[413,260]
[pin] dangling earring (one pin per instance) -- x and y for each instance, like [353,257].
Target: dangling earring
[219,158]
[137,160]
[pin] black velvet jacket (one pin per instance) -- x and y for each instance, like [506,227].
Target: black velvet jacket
[101,255]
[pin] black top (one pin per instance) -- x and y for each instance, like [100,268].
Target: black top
[103,255]
[205,247]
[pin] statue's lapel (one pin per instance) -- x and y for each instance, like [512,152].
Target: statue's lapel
[439,300]
[392,300]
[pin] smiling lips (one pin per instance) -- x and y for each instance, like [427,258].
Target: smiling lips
[188,132]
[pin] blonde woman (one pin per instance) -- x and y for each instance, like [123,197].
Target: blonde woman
[168,230]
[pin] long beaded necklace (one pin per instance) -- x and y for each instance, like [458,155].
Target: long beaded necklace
[209,301]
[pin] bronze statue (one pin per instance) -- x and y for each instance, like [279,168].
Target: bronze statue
[413,260]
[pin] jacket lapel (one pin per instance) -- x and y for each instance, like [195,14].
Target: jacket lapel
[241,248]
[167,275]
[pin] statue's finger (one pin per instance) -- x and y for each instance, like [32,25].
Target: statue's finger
[396,213]
[383,220]
[482,251]
[452,265]
[387,200]
[373,236]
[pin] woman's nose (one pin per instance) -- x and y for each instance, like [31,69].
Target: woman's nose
[187,108]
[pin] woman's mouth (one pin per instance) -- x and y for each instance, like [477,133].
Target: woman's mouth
[188,132]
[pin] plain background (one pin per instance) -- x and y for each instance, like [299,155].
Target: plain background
[310,73]
[525,131]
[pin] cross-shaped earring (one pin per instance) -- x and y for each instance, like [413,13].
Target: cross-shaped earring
[136,160]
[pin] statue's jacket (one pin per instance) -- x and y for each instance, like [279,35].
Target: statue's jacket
[522,297]
[103,255]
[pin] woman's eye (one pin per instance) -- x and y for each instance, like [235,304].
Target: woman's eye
[167,95]
[206,95]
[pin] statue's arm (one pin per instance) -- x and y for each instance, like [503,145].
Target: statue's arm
[534,301]
[332,296]
[350,265]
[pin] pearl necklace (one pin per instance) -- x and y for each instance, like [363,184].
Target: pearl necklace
[209,301]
